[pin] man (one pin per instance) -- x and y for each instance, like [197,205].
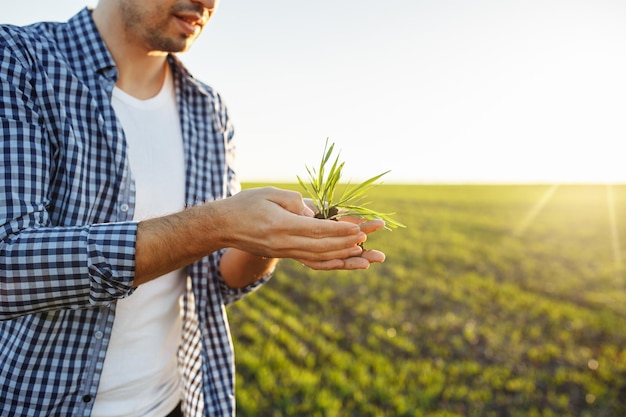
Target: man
[117,196]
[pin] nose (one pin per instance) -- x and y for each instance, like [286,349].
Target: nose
[210,5]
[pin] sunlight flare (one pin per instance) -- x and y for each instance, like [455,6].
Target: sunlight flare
[535,210]
[615,243]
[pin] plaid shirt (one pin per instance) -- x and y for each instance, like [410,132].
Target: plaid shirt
[67,239]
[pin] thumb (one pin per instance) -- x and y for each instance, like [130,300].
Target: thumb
[292,201]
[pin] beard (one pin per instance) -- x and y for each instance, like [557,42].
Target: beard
[154,26]
[157,41]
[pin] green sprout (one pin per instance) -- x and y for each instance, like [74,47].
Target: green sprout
[322,188]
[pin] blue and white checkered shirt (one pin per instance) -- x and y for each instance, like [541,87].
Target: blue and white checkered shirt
[67,239]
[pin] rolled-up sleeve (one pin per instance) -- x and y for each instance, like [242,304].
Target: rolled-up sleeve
[53,268]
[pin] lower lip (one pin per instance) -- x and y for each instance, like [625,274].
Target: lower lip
[187,27]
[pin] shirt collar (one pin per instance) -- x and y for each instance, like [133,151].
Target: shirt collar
[88,48]
[186,78]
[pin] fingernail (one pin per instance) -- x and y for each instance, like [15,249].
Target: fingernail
[357,251]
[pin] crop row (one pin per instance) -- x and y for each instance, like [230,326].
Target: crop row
[469,316]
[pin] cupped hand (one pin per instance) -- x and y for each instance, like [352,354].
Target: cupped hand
[276,223]
[360,261]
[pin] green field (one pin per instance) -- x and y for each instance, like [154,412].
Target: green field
[495,301]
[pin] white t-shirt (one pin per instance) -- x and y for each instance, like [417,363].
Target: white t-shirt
[140,375]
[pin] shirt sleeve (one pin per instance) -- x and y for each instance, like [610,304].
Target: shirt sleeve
[231,295]
[50,268]
[46,264]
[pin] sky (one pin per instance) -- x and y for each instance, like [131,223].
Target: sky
[436,91]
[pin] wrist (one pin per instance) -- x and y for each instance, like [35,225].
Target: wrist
[206,227]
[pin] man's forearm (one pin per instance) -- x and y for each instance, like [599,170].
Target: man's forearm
[171,242]
[240,269]
[175,241]
[261,224]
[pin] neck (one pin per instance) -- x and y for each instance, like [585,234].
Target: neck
[140,72]
[141,80]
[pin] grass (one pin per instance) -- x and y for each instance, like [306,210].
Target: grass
[494,301]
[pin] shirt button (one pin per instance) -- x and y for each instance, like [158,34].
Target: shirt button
[86,398]
[124,207]
[99,334]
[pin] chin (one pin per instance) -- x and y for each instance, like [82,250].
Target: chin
[171,45]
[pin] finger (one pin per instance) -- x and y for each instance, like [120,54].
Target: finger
[319,228]
[329,265]
[371,226]
[338,264]
[310,204]
[373,256]
[356,262]
[315,253]
[363,261]
[291,201]
[351,219]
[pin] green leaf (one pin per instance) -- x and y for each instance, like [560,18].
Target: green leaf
[322,188]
